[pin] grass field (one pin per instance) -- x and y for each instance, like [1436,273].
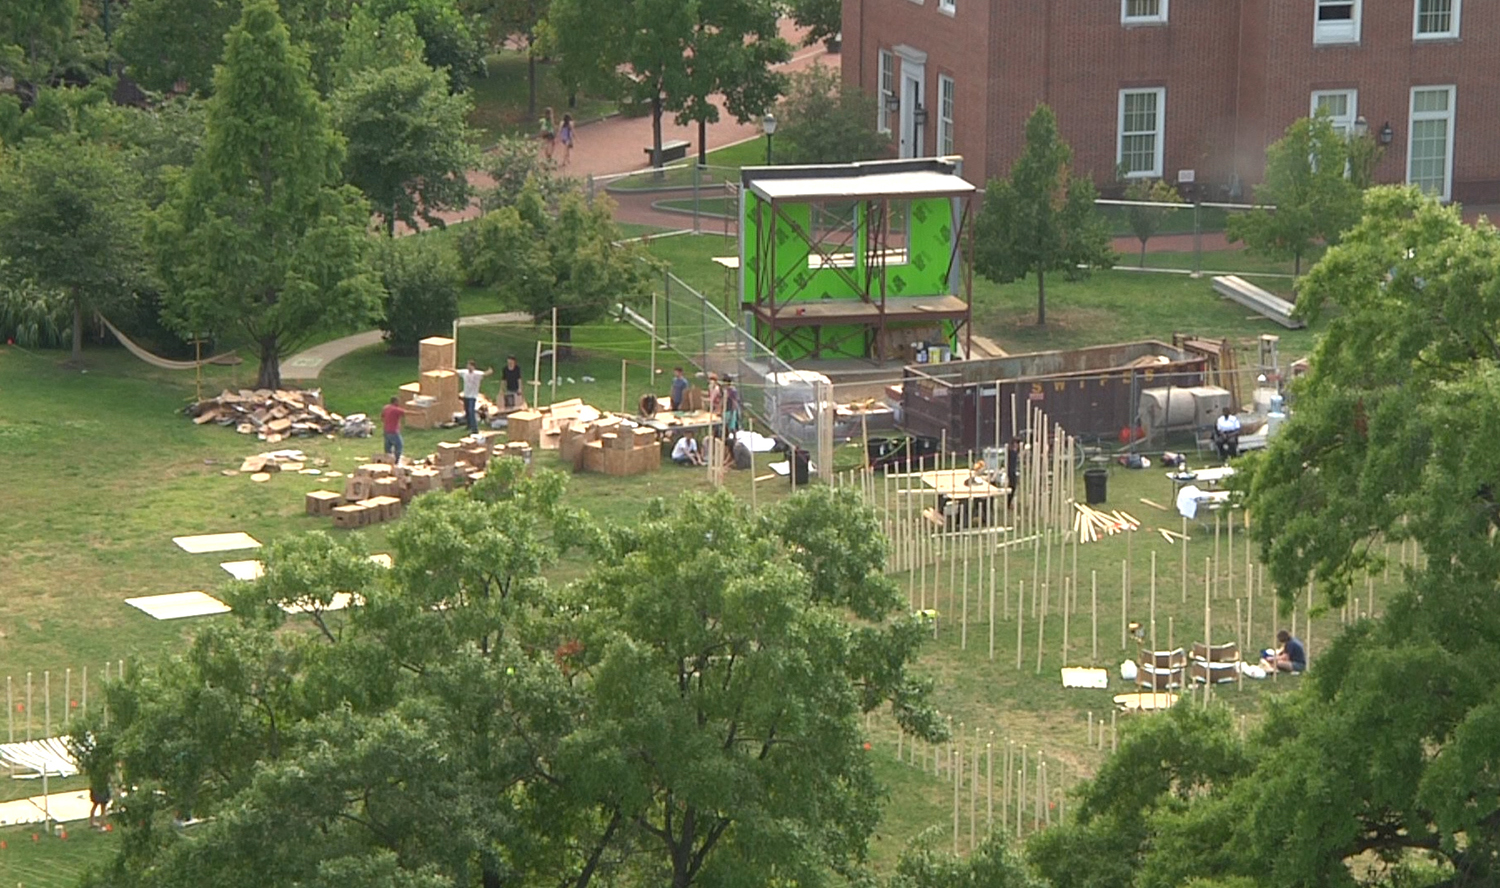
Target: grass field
[102,470]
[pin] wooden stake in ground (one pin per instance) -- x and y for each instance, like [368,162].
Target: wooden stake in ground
[1094,610]
[1208,641]
[554,353]
[963,634]
[1020,620]
[1124,605]
[624,372]
[1065,621]
[957,785]
[1229,554]
[989,781]
[1184,559]
[1005,586]
[992,613]
[1218,520]
[1041,628]
[536,377]
[1239,640]
[1153,608]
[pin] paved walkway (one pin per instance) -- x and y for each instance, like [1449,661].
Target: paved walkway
[308,364]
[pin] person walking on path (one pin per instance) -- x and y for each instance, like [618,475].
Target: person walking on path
[679,389]
[511,376]
[472,379]
[565,135]
[548,133]
[390,420]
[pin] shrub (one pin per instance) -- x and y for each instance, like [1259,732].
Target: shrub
[421,280]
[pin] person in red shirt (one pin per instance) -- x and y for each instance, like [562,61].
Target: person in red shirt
[390,416]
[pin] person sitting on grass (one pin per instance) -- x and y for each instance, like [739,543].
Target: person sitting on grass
[685,452]
[1290,657]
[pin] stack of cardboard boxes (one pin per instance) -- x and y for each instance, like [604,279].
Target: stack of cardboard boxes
[380,489]
[588,440]
[434,398]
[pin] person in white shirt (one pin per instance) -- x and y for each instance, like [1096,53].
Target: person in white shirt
[685,452]
[1227,435]
[472,379]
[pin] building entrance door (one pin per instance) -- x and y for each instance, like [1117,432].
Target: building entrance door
[913,73]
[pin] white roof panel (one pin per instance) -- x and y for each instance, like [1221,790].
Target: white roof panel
[909,184]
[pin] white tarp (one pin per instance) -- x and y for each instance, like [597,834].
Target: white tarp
[49,756]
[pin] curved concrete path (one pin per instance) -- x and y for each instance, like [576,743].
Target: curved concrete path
[308,364]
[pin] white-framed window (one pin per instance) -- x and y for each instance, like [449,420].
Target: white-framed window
[945,116]
[1341,106]
[887,66]
[1336,21]
[1429,140]
[948,6]
[1143,12]
[1435,19]
[1142,126]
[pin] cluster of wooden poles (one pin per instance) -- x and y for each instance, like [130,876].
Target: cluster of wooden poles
[20,716]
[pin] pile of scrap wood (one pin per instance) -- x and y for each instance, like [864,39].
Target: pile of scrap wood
[380,489]
[1091,523]
[267,414]
[262,466]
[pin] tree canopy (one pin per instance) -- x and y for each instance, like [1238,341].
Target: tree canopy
[687,713]
[824,120]
[71,222]
[1308,184]
[1147,221]
[408,143]
[261,236]
[1042,218]
[569,258]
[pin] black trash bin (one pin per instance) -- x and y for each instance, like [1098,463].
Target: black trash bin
[801,460]
[1095,485]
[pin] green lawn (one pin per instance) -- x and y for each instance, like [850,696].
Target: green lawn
[723,166]
[500,99]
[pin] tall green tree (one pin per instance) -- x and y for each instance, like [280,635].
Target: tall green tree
[670,56]
[1308,184]
[1042,218]
[450,39]
[33,34]
[262,236]
[570,259]
[408,143]
[164,42]
[71,221]
[506,20]
[824,120]
[732,51]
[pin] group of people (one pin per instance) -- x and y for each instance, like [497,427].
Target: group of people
[723,399]
[552,134]
[472,378]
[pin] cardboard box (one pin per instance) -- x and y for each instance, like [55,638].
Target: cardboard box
[437,353]
[390,486]
[321,502]
[447,452]
[351,516]
[440,384]
[373,470]
[526,426]
[593,456]
[389,508]
[356,488]
[644,438]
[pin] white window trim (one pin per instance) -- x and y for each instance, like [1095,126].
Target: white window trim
[947,121]
[948,7]
[1451,116]
[1416,23]
[1161,131]
[1347,121]
[885,64]
[1321,38]
[1127,19]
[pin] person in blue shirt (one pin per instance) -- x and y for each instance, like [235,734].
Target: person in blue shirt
[1290,657]
[679,389]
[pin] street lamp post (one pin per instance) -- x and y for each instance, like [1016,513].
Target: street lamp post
[768,126]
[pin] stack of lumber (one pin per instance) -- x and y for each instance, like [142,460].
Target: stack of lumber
[270,415]
[380,489]
[1091,523]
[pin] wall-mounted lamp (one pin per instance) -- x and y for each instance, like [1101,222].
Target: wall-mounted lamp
[920,116]
[892,102]
[1361,127]
[1386,134]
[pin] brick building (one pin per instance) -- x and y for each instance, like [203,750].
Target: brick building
[1187,90]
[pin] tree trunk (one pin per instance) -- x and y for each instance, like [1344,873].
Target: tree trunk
[702,143]
[77,357]
[564,343]
[656,132]
[270,364]
[390,222]
[530,76]
[1143,252]
[1041,298]
[1296,265]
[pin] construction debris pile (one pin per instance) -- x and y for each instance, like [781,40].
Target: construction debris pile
[592,440]
[270,415]
[1090,523]
[380,489]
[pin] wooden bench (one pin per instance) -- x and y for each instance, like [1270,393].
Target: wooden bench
[676,149]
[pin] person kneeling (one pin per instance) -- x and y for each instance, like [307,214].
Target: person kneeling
[685,452]
[1290,657]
